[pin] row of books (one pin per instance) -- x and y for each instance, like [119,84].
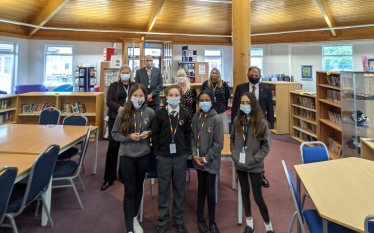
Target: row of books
[307,126]
[5,103]
[333,80]
[306,114]
[333,95]
[82,81]
[35,108]
[304,136]
[306,102]
[5,117]
[334,146]
[73,108]
[335,117]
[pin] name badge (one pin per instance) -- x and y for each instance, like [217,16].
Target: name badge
[242,157]
[127,98]
[173,148]
[198,152]
[149,86]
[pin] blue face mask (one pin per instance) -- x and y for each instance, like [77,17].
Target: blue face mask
[173,101]
[125,77]
[245,108]
[205,106]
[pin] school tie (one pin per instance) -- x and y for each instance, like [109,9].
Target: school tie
[254,90]
[173,113]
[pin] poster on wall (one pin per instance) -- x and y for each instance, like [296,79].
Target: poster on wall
[371,64]
[306,72]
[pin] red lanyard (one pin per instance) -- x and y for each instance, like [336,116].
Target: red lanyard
[140,121]
[201,123]
[244,131]
[173,132]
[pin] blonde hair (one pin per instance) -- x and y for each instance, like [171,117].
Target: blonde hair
[182,73]
[219,83]
[124,67]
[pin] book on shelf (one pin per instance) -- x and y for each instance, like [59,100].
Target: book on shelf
[92,81]
[92,71]
[6,117]
[35,108]
[335,117]
[304,136]
[334,146]
[306,102]
[73,108]
[307,126]
[333,80]
[5,103]
[333,95]
[306,114]
[81,81]
[81,72]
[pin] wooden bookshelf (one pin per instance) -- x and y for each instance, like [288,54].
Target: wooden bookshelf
[93,101]
[326,127]
[303,116]
[8,109]
[281,103]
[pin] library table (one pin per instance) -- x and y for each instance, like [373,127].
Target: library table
[34,139]
[22,161]
[342,190]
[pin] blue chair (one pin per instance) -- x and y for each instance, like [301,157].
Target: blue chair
[69,170]
[69,89]
[7,179]
[63,88]
[49,116]
[311,153]
[151,174]
[312,218]
[369,224]
[19,89]
[37,184]
[3,92]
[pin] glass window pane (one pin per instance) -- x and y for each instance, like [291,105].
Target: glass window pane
[133,51]
[59,50]
[214,62]
[213,53]
[58,69]
[6,48]
[257,61]
[257,52]
[337,63]
[154,52]
[337,50]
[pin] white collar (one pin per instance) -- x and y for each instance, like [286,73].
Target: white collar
[251,85]
[169,109]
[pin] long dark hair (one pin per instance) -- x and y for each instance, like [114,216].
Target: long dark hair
[256,116]
[128,116]
[209,93]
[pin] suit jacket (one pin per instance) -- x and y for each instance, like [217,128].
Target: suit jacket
[265,99]
[156,83]
[112,98]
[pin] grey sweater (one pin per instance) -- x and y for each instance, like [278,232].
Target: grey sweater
[256,149]
[128,147]
[211,141]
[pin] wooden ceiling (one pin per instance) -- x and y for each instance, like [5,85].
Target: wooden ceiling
[209,20]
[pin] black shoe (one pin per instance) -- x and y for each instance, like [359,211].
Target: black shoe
[163,229]
[180,228]
[270,232]
[248,229]
[213,228]
[265,182]
[106,185]
[203,228]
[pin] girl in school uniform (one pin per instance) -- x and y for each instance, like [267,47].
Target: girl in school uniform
[132,128]
[171,141]
[250,142]
[207,143]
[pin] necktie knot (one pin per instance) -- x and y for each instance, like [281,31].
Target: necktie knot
[173,113]
[253,89]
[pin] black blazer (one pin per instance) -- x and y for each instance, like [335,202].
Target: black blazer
[156,83]
[265,99]
[112,98]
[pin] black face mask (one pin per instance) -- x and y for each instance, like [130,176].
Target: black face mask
[254,81]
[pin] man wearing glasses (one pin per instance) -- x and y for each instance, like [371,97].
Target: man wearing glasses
[264,97]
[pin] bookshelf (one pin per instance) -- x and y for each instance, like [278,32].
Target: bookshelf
[303,123]
[93,101]
[8,109]
[198,72]
[329,112]
[86,79]
[281,101]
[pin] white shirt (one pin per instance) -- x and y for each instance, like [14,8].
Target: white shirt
[257,91]
[168,107]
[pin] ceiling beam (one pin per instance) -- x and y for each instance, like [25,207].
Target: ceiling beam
[152,18]
[48,11]
[327,15]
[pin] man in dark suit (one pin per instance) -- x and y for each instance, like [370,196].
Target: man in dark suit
[264,97]
[151,78]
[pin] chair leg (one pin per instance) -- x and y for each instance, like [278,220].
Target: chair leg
[150,187]
[303,200]
[84,171]
[12,223]
[80,179]
[37,208]
[292,222]
[142,205]
[48,212]
[76,193]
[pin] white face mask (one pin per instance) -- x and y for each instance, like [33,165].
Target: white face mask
[125,77]
[245,108]
[137,102]
[182,79]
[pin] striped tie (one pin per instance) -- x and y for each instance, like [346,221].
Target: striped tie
[254,90]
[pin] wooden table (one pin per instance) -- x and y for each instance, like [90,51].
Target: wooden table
[34,139]
[367,148]
[342,190]
[22,161]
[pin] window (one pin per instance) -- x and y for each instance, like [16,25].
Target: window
[214,57]
[257,58]
[8,53]
[58,65]
[337,57]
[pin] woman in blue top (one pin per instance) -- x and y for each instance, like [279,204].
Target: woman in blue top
[221,92]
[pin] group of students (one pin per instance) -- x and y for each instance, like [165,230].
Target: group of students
[175,134]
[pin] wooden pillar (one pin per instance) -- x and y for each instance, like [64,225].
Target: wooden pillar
[124,52]
[241,40]
[142,51]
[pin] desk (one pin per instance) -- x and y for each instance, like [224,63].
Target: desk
[34,139]
[22,161]
[342,190]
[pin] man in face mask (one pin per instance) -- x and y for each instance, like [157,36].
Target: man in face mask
[151,78]
[263,95]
